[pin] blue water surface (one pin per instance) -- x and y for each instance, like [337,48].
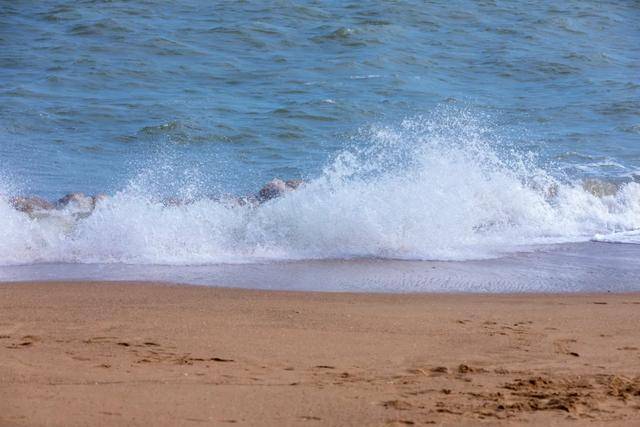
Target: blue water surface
[231,94]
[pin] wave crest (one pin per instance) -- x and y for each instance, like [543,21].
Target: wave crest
[442,189]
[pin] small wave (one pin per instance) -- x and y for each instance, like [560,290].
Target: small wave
[628,237]
[438,188]
[100,27]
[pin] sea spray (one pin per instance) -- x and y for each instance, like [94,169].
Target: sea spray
[436,188]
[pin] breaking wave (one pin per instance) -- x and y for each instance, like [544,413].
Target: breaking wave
[444,189]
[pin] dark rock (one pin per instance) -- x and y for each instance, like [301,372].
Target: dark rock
[177,201]
[173,201]
[244,201]
[99,198]
[600,188]
[78,204]
[76,200]
[294,183]
[30,204]
[272,189]
[276,188]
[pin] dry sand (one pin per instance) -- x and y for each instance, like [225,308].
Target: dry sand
[94,354]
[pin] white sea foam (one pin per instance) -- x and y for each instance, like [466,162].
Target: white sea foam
[630,237]
[426,189]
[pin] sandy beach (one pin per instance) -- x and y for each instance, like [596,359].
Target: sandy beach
[144,354]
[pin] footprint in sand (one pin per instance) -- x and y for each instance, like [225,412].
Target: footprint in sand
[98,340]
[562,347]
[25,341]
[400,405]
[400,422]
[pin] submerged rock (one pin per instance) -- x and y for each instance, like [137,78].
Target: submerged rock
[78,204]
[30,204]
[174,201]
[76,200]
[276,188]
[240,201]
[294,183]
[600,188]
[272,189]
[99,198]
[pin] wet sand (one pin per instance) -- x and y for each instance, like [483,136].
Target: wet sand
[76,354]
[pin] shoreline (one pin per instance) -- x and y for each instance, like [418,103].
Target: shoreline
[317,293]
[587,267]
[114,353]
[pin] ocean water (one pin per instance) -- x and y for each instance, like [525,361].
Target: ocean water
[441,131]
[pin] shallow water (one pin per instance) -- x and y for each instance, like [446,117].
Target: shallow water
[425,131]
[583,267]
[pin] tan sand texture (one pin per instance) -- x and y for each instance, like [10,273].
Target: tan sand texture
[134,354]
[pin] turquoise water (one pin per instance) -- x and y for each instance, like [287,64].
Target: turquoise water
[423,130]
